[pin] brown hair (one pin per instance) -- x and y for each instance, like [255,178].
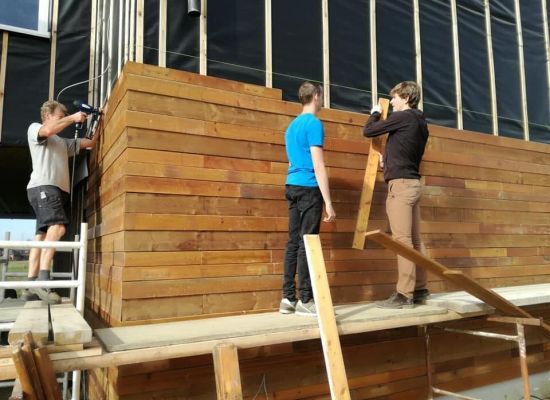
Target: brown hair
[49,107]
[407,89]
[307,91]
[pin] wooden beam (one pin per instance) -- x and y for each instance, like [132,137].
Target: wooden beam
[139,31]
[3,64]
[226,369]
[53,49]
[162,32]
[22,373]
[93,41]
[268,46]
[326,54]
[68,326]
[28,358]
[332,351]
[47,374]
[456,277]
[34,318]
[132,50]
[202,39]
[369,181]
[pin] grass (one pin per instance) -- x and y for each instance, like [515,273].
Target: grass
[18,266]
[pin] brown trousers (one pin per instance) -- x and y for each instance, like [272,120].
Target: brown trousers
[403,209]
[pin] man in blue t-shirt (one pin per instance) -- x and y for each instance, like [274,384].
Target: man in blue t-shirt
[306,189]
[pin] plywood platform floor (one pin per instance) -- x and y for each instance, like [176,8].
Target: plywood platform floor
[463,302]
[267,327]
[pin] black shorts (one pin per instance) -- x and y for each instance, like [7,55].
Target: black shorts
[50,205]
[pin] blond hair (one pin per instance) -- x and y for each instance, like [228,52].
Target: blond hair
[49,107]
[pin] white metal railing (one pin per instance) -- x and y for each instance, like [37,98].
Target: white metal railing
[78,284]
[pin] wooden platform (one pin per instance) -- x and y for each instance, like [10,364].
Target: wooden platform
[463,302]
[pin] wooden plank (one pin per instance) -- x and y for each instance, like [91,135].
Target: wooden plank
[3,68]
[203,54]
[140,30]
[26,351]
[47,374]
[69,327]
[34,318]
[163,17]
[369,181]
[23,373]
[53,48]
[457,277]
[226,370]
[334,361]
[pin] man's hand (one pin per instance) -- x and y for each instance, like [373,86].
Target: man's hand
[376,109]
[331,214]
[79,116]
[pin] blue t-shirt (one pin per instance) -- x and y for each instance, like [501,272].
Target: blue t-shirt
[305,131]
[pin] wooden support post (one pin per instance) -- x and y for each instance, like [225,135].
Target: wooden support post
[23,373]
[203,64]
[368,186]
[28,358]
[139,30]
[47,374]
[334,361]
[53,49]
[226,369]
[162,32]
[3,65]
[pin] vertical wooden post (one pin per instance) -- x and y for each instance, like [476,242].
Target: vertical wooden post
[369,180]
[334,361]
[3,62]
[523,361]
[268,46]
[226,369]
[23,373]
[139,31]
[132,50]
[47,374]
[162,32]
[93,41]
[326,54]
[53,49]
[203,39]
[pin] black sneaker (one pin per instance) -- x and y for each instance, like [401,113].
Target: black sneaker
[420,295]
[396,300]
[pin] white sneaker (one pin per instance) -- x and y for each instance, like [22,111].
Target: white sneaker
[287,306]
[307,309]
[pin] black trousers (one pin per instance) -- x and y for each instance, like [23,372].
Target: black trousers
[305,207]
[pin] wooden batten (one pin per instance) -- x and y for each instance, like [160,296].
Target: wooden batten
[188,220]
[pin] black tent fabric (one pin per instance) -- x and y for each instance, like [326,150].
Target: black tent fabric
[182,38]
[297,44]
[236,40]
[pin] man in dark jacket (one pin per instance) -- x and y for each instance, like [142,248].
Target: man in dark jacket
[408,134]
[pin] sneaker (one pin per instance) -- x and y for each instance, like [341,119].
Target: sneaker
[420,295]
[28,296]
[396,300]
[287,306]
[46,295]
[307,309]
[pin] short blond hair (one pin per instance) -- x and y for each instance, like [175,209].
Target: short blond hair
[307,91]
[49,107]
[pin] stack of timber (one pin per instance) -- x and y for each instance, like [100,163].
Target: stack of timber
[188,220]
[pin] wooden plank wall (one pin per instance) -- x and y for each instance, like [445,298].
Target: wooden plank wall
[187,218]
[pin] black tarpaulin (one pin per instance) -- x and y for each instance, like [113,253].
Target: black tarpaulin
[474,67]
[151,33]
[182,38]
[297,37]
[507,72]
[536,76]
[394,44]
[350,75]
[236,40]
[438,77]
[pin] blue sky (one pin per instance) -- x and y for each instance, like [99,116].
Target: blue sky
[20,229]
